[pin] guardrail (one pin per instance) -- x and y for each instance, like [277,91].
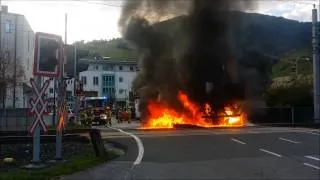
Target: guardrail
[285,115]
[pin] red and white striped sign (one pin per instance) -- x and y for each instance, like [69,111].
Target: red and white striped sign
[40,100]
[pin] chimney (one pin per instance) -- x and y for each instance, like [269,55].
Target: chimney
[4,9]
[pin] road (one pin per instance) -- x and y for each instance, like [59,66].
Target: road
[247,153]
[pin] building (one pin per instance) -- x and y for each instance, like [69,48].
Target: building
[110,78]
[16,48]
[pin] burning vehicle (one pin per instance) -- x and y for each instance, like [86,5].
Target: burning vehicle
[190,71]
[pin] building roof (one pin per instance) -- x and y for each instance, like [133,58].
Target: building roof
[106,61]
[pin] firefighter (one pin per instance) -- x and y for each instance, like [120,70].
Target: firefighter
[129,114]
[83,117]
[119,113]
[90,116]
[108,113]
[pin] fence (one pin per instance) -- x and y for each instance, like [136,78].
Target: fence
[294,115]
[15,119]
[18,119]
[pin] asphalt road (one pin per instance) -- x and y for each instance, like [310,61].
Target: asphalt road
[246,153]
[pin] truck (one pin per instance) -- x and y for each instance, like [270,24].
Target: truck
[98,110]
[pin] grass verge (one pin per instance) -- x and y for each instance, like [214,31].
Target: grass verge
[54,171]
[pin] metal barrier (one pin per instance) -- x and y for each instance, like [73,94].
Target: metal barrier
[286,115]
[15,119]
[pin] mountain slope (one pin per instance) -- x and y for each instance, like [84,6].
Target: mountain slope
[267,34]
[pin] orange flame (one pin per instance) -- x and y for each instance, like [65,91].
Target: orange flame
[162,116]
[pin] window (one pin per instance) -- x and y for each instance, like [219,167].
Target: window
[120,79]
[50,90]
[84,80]
[120,68]
[121,91]
[97,67]
[69,95]
[131,68]
[8,26]
[95,80]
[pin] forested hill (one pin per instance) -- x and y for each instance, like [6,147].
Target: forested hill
[267,34]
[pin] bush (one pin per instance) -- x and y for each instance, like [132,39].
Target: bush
[299,94]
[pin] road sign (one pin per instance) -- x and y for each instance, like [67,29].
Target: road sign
[48,54]
[39,105]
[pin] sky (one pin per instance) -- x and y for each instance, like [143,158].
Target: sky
[89,20]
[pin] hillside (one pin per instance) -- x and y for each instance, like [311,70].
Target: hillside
[269,35]
[117,49]
[300,59]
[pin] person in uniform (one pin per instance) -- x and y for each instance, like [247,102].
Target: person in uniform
[129,114]
[108,113]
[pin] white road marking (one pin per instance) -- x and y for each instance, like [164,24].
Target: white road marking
[139,143]
[310,132]
[269,152]
[235,140]
[311,157]
[288,140]
[313,166]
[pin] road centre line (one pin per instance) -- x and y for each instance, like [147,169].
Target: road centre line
[313,166]
[311,157]
[235,140]
[139,143]
[288,140]
[309,132]
[272,153]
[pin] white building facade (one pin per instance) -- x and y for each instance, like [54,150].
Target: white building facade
[109,78]
[17,46]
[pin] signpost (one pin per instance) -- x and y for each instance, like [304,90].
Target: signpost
[47,60]
[39,107]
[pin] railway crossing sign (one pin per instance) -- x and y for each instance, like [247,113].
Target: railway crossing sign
[39,105]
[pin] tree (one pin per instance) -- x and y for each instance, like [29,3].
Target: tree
[11,74]
[297,94]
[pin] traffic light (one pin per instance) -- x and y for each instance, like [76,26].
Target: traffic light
[48,55]
[70,53]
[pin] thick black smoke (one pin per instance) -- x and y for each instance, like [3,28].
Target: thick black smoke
[200,52]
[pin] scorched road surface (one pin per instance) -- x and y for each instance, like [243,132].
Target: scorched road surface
[247,153]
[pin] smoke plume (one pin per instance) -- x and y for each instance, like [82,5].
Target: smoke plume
[185,59]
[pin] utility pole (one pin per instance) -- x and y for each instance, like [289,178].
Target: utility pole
[54,102]
[15,62]
[61,95]
[66,28]
[76,98]
[316,65]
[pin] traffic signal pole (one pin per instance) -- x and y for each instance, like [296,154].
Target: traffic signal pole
[62,98]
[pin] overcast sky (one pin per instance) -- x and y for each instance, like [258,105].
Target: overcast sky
[88,20]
